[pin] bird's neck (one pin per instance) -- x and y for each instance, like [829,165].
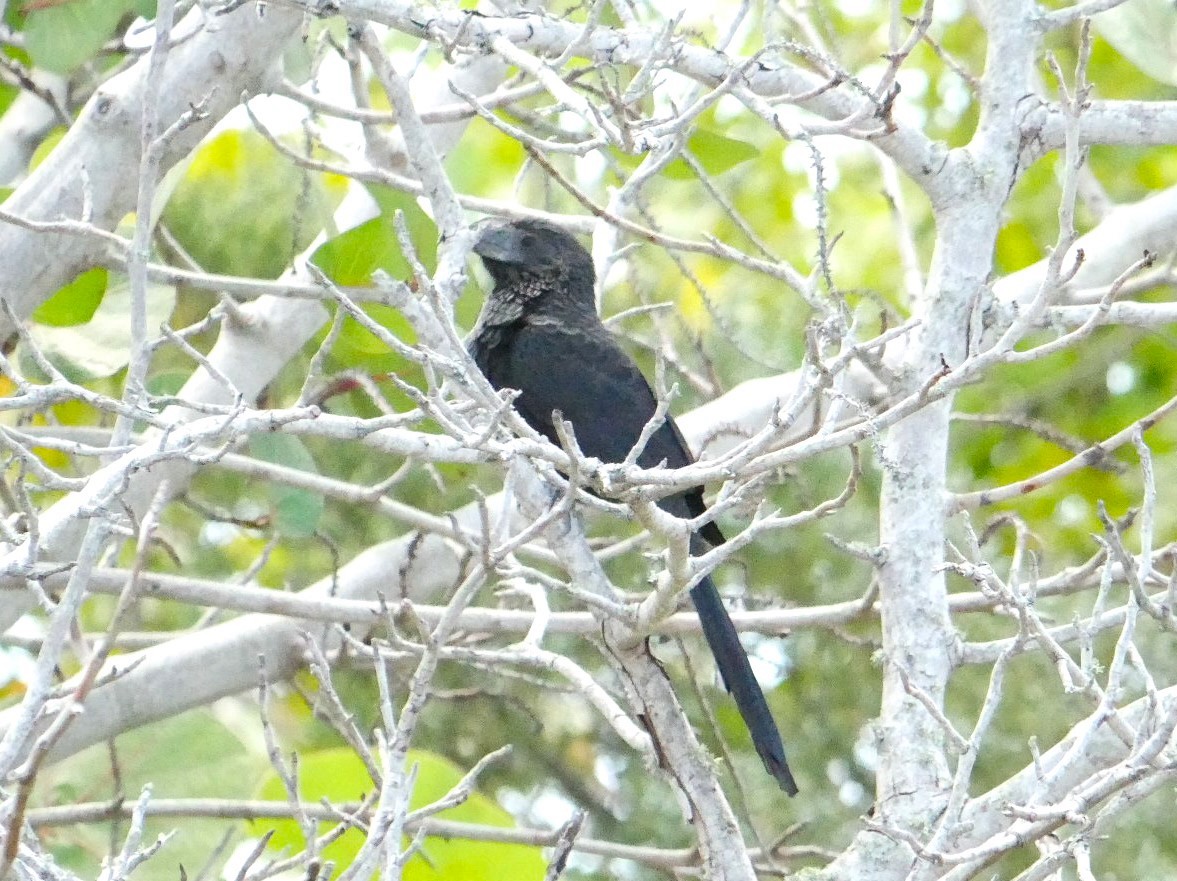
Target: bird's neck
[562,301]
[571,300]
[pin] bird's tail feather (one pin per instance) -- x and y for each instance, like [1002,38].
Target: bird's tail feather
[740,681]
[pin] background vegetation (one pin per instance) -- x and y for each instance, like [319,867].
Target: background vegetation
[234,404]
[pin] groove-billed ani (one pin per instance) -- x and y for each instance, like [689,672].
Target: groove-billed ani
[539,333]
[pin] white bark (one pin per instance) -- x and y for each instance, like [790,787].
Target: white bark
[927,822]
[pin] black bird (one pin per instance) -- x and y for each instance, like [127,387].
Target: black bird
[539,333]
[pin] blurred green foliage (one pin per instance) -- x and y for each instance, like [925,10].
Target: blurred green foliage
[339,775]
[241,208]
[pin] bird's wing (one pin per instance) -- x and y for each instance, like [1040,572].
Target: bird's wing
[584,374]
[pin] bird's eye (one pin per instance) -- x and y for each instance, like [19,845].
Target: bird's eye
[528,240]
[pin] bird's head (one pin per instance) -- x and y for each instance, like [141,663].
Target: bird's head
[533,253]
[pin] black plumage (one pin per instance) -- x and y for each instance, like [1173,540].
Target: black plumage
[539,333]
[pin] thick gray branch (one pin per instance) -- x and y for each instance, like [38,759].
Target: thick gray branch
[97,162]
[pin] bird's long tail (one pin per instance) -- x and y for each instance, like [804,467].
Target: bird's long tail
[737,675]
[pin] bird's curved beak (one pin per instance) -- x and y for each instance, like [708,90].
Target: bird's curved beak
[498,243]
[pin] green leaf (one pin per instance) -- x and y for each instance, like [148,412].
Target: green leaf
[1144,32]
[167,382]
[350,258]
[7,96]
[340,776]
[359,347]
[75,303]
[64,35]
[422,229]
[716,153]
[297,512]
[484,161]
[101,346]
